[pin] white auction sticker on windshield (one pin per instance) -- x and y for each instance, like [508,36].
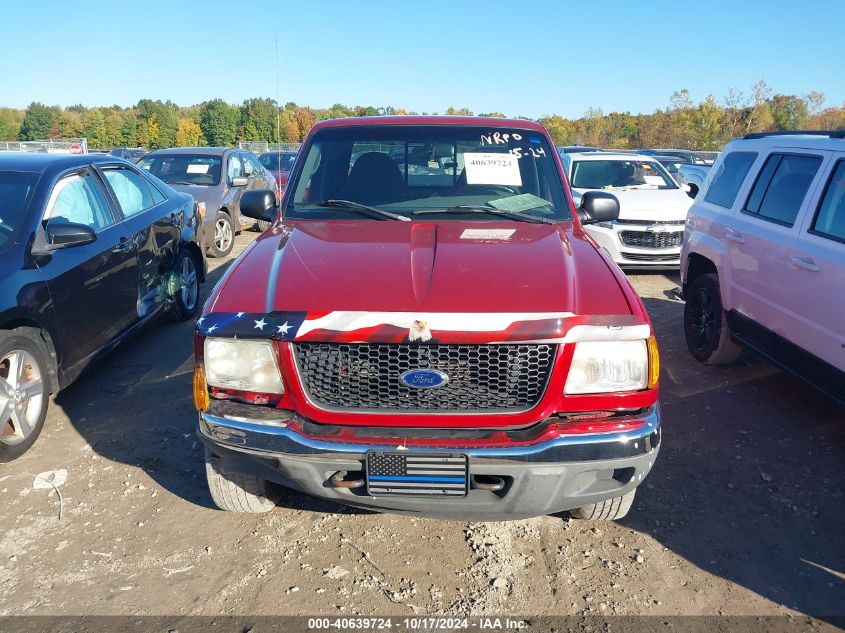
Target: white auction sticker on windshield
[197,168]
[487,234]
[492,169]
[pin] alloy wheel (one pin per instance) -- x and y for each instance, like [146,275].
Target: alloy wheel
[188,281]
[222,235]
[702,320]
[21,396]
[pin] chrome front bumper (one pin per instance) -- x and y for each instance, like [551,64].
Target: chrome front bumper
[541,478]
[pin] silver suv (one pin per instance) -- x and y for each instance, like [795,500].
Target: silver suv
[763,260]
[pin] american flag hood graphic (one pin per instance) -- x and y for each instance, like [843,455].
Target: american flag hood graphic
[444,327]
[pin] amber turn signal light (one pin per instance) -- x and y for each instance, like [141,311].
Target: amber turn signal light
[653,362]
[201,399]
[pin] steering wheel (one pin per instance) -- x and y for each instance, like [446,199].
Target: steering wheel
[494,190]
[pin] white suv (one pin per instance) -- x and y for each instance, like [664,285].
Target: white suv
[763,261]
[652,207]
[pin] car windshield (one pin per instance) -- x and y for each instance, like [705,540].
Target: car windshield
[15,192]
[414,169]
[184,169]
[620,174]
[277,161]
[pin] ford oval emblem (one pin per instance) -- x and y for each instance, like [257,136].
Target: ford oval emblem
[423,378]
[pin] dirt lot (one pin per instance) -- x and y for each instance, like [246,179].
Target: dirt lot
[743,513]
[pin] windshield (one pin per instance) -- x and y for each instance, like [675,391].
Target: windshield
[15,192]
[277,161]
[414,168]
[184,169]
[620,174]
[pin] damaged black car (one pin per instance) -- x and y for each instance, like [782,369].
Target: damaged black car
[91,249]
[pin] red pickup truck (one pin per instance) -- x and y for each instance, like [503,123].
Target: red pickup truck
[426,328]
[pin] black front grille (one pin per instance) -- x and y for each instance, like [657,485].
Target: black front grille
[365,377]
[647,239]
[640,257]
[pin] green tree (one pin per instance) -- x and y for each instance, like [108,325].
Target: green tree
[258,119]
[129,130]
[219,122]
[39,122]
[789,112]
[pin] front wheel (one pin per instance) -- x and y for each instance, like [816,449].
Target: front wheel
[224,235]
[24,391]
[186,298]
[235,492]
[705,323]
[609,510]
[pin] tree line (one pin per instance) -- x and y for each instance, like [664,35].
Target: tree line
[707,125]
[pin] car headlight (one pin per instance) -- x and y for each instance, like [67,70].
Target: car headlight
[608,366]
[242,365]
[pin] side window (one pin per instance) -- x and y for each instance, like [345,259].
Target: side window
[131,190]
[726,183]
[235,167]
[781,187]
[79,199]
[252,166]
[830,218]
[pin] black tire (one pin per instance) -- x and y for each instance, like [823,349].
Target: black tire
[608,510]
[223,235]
[27,342]
[235,492]
[705,323]
[186,291]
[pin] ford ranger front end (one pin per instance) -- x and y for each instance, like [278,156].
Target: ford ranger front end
[428,329]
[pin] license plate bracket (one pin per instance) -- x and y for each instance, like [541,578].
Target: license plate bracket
[417,474]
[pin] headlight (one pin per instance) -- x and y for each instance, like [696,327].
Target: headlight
[242,365]
[608,366]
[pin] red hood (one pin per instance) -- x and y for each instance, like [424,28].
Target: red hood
[366,265]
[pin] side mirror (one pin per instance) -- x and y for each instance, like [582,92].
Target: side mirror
[598,206]
[239,181]
[65,234]
[692,189]
[259,204]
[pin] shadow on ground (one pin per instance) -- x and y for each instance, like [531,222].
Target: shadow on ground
[749,483]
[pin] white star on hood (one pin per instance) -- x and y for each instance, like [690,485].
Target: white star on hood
[259,325]
[283,329]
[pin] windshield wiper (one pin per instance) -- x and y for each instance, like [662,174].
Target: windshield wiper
[364,210]
[485,210]
[181,182]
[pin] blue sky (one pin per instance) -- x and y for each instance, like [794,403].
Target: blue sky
[520,57]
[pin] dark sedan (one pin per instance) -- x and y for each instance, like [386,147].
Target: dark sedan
[91,248]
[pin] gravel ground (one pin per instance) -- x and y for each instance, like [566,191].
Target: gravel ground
[743,513]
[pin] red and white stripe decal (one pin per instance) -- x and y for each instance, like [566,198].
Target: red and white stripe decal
[468,327]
